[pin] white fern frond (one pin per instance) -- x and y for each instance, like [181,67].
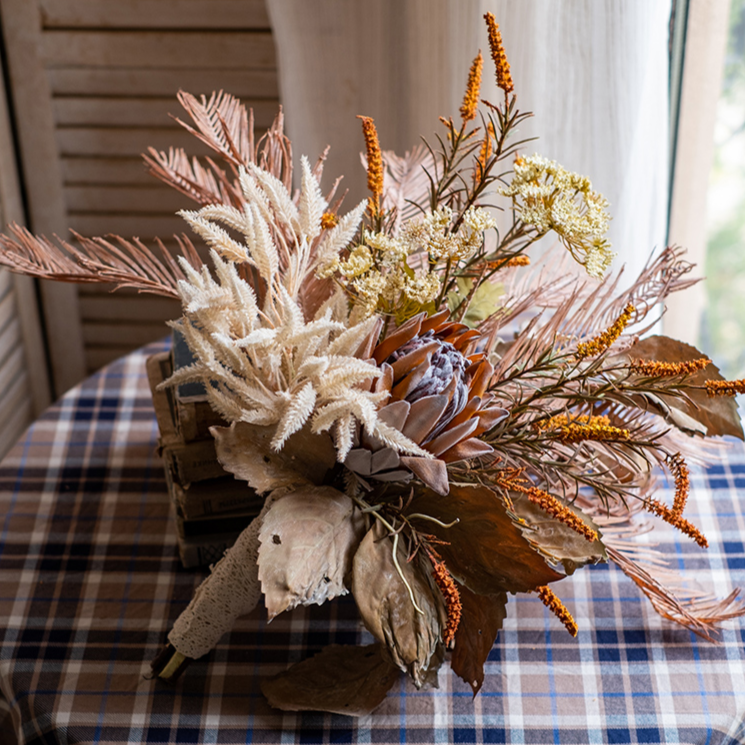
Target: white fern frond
[216,237]
[262,248]
[340,236]
[344,436]
[296,415]
[394,439]
[279,198]
[312,204]
[350,341]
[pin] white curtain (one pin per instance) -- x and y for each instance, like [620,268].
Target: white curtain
[594,72]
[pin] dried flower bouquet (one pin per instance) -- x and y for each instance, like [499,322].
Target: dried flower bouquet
[432,423]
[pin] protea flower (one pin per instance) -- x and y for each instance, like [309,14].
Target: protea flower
[438,400]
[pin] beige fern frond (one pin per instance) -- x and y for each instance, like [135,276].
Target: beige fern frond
[113,260]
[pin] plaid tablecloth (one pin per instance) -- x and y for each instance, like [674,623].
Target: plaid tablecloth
[90,583]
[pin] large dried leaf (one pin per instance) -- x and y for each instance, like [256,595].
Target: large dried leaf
[716,414]
[480,622]
[386,608]
[245,451]
[308,539]
[487,552]
[554,540]
[339,679]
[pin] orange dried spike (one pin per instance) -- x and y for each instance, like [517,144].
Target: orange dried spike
[679,469]
[473,88]
[374,163]
[598,344]
[654,369]
[450,593]
[504,77]
[550,504]
[329,220]
[725,387]
[677,521]
[549,598]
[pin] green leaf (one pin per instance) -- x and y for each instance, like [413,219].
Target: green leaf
[386,607]
[486,549]
[480,622]
[557,542]
[483,303]
[703,414]
[307,541]
[339,679]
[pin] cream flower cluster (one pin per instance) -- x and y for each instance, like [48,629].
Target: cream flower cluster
[379,275]
[434,233]
[549,197]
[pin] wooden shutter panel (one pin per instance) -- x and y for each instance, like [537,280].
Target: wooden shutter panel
[111,70]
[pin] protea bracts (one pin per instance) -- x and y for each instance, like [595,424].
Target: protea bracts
[438,399]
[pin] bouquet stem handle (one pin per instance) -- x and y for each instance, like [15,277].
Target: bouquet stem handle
[231,590]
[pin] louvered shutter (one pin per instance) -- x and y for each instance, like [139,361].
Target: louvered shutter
[108,71]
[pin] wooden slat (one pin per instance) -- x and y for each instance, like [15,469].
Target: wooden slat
[134,308]
[92,111]
[92,81]
[12,366]
[102,170]
[18,419]
[8,312]
[133,335]
[12,209]
[10,336]
[144,14]
[117,141]
[143,226]
[141,199]
[236,50]
[6,283]
[43,179]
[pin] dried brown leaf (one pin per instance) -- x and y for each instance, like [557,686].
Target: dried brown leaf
[383,599]
[245,451]
[308,539]
[717,414]
[486,550]
[339,679]
[480,622]
[554,540]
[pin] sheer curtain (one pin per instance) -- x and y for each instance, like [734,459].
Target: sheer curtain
[595,72]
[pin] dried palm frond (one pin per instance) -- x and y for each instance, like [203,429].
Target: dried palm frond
[104,260]
[223,124]
[405,183]
[697,611]
[191,178]
[671,595]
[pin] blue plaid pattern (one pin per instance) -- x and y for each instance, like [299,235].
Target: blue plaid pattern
[90,584]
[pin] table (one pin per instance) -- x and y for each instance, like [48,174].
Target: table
[90,584]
